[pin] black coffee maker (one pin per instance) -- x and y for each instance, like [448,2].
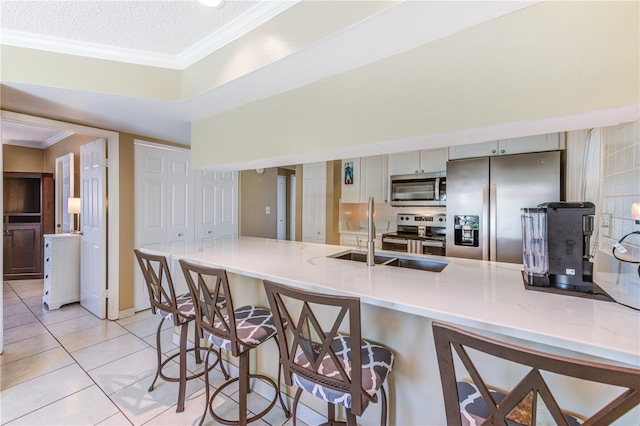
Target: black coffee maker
[555,245]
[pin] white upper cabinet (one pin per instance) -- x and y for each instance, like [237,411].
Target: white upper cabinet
[535,143]
[373,178]
[363,178]
[423,161]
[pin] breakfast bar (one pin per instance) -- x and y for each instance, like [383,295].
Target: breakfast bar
[399,304]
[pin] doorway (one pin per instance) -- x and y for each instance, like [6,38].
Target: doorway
[113,214]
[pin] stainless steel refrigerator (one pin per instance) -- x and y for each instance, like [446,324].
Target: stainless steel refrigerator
[484,198]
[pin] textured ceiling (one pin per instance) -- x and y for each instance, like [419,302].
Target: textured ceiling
[160,26]
[31,136]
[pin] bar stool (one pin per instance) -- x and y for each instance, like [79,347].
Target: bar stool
[234,329]
[178,309]
[532,399]
[317,357]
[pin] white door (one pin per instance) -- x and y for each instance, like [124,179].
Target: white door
[282,208]
[93,219]
[180,198]
[227,208]
[314,181]
[206,189]
[292,209]
[64,190]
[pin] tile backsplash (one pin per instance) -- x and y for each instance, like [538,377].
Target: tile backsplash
[353,216]
[620,188]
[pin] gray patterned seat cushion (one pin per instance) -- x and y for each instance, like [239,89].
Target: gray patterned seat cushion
[474,410]
[185,307]
[254,325]
[377,362]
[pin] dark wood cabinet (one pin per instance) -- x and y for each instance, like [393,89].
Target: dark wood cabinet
[28,215]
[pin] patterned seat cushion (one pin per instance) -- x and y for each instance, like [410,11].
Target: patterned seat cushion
[377,362]
[185,307]
[255,325]
[474,410]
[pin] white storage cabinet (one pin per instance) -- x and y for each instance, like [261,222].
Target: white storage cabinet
[423,161]
[61,269]
[523,145]
[370,179]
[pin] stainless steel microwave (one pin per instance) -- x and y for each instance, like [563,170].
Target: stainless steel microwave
[420,189]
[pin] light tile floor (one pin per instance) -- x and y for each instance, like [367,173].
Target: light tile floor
[67,367]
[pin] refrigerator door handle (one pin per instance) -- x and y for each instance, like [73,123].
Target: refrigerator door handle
[485,222]
[493,224]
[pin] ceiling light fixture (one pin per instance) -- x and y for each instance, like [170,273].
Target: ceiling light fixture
[211,3]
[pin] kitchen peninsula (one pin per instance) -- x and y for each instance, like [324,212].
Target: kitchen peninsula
[398,305]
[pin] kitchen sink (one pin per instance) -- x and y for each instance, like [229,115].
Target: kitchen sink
[362,257]
[396,261]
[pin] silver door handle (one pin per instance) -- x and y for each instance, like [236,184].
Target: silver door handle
[485,222]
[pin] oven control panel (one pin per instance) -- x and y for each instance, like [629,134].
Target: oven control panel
[409,219]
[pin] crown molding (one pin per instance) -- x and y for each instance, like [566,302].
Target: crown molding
[255,17]
[252,19]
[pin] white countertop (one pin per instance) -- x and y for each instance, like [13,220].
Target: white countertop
[484,295]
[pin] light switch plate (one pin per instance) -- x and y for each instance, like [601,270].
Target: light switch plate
[267,210]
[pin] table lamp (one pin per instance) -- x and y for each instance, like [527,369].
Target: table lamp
[74,209]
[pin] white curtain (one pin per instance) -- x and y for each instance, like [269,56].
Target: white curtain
[591,178]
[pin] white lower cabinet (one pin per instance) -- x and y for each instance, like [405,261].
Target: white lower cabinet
[61,269]
[359,240]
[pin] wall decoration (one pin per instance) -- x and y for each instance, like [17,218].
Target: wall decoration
[348,173]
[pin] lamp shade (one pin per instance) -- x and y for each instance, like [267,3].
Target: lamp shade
[73,205]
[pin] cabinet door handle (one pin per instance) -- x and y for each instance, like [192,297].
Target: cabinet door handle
[493,151]
[179,234]
[502,151]
[416,172]
[209,232]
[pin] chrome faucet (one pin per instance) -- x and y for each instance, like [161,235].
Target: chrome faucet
[371,236]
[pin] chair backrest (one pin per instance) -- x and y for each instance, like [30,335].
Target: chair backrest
[533,385]
[157,278]
[208,286]
[307,323]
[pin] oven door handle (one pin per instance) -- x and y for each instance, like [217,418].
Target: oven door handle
[432,244]
[395,240]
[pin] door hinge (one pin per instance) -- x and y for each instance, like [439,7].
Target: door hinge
[105,293]
[105,162]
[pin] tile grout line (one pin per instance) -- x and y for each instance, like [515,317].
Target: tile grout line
[75,361]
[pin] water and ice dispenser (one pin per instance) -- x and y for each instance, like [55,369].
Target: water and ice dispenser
[555,245]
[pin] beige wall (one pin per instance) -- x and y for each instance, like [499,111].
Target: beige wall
[256,192]
[71,144]
[21,159]
[547,60]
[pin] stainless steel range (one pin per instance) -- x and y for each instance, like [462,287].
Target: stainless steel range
[418,234]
